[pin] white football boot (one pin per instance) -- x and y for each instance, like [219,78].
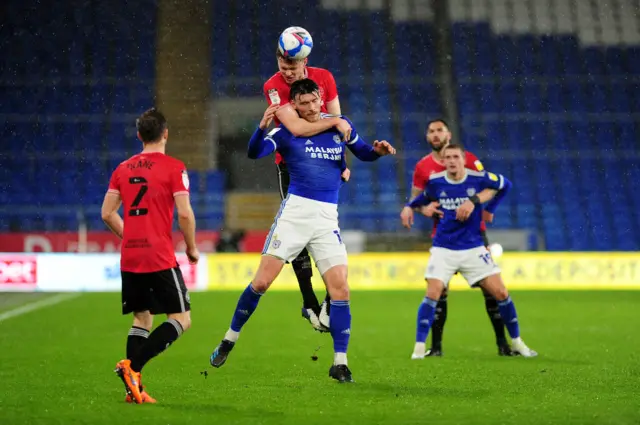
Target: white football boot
[419,351]
[518,347]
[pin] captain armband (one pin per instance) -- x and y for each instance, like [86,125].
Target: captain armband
[475,199]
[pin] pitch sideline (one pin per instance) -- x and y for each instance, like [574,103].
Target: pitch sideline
[24,309]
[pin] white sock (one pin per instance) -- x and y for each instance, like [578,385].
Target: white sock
[420,349]
[340,358]
[231,335]
[517,340]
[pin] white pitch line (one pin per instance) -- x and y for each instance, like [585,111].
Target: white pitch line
[56,299]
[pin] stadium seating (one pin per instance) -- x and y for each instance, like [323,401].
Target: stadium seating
[70,92]
[535,96]
[544,96]
[556,96]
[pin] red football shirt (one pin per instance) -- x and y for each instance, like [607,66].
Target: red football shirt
[429,165]
[323,78]
[147,184]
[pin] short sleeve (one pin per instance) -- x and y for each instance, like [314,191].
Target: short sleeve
[331,90]
[419,179]
[492,181]
[180,181]
[272,93]
[473,163]
[114,183]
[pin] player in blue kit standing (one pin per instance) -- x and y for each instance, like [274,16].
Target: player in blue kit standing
[456,197]
[308,217]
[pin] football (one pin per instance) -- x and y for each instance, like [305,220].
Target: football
[295,43]
[496,250]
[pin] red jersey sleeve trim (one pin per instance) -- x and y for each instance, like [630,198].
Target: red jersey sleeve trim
[114,191]
[181,193]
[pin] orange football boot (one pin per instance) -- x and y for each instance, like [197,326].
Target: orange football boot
[130,379]
[146,398]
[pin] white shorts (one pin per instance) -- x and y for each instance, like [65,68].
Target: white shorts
[474,264]
[301,223]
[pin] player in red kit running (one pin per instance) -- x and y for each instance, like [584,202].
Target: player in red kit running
[439,136]
[276,90]
[150,185]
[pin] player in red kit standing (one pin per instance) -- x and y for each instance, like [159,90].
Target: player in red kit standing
[276,90]
[439,136]
[150,185]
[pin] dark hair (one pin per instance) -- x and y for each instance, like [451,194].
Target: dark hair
[304,86]
[454,146]
[438,120]
[151,124]
[290,60]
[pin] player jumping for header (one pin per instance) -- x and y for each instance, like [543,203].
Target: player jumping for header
[308,217]
[276,90]
[458,244]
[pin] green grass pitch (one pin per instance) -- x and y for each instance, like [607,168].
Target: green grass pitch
[57,364]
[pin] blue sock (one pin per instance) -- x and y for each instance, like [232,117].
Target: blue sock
[246,306]
[340,326]
[426,316]
[509,317]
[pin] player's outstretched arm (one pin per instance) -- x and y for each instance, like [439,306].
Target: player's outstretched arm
[260,145]
[368,153]
[110,216]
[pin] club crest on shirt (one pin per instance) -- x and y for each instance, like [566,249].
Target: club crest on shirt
[185,179]
[337,139]
[471,191]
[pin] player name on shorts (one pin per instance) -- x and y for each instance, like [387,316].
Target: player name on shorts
[334,154]
[452,203]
